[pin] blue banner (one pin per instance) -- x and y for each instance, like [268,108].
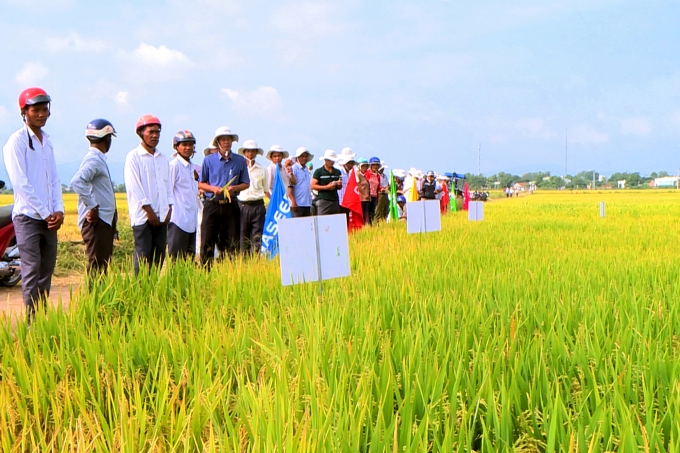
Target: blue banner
[279,208]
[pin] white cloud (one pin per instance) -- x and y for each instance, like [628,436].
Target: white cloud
[585,134]
[311,20]
[5,115]
[638,125]
[122,98]
[261,101]
[534,127]
[149,63]
[75,43]
[31,73]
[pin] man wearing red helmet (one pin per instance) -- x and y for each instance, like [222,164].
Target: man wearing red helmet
[38,207]
[149,195]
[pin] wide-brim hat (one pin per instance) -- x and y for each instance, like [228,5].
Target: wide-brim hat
[418,174]
[329,154]
[399,173]
[276,149]
[301,150]
[208,151]
[223,131]
[250,145]
[346,155]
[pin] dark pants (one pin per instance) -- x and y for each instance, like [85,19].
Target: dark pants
[382,209]
[150,243]
[38,251]
[181,244]
[221,227]
[302,211]
[366,209]
[326,207]
[98,239]
[344,210]
[252,224]
[371,209]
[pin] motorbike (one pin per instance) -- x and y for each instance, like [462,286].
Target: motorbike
[479,196]
[10,262]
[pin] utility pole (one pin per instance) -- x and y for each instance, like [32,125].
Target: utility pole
[565,152]
[479,159]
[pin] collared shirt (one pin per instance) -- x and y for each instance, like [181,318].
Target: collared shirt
[185,192]
[92,183]
[302,188]
[218,170]
[147,182]
[363,187]
[33,174]
[258,184]
[323,178]
[271,168]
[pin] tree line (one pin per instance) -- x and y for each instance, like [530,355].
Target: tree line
[544,180]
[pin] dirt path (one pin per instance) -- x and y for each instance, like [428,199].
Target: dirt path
[11,301]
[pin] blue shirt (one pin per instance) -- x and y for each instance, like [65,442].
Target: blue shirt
[217,170]
[302,190]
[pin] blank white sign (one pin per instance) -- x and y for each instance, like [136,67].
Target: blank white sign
[423,216]
[476,210]
[298,252]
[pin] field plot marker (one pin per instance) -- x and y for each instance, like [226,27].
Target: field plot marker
[423,216]
[476,211]
[303,260]
[602,209]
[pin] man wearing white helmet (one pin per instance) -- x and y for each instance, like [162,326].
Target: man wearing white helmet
[223,176]
[251,200]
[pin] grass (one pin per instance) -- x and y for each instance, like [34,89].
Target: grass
[543,328]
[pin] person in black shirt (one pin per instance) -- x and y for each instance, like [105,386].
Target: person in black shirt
[327,181]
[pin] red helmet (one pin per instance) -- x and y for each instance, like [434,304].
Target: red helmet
[147,120]
[32,96]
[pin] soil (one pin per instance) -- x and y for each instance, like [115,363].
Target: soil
[12,302]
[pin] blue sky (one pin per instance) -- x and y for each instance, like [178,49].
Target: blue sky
[416,83]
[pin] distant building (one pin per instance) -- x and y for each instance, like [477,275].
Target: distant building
[601,178]
[666,181]
[621,184]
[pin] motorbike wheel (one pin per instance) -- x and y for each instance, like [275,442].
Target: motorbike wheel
[11,281]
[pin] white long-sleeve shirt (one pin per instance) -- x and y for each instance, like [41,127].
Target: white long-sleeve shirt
[33,174]
[185,192]
[92,183]
[147,182]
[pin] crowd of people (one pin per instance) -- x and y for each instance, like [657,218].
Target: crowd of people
[215,209]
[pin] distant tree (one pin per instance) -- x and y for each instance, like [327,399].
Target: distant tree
[662,174]
[555,182]
[475,181]
[654,174]
[120,188]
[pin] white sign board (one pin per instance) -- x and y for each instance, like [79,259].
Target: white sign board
[476,210]
[299,257]
[423,216]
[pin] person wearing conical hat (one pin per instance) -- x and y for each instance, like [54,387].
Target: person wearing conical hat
[251,200]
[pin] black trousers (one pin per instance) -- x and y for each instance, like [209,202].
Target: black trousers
[366,209]
[181,244]
[252,224]
[150,243]
[98,240]
[302,211]
[371,209]
[221,227]
[326,207]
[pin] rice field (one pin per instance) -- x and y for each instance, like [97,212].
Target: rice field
[543,328]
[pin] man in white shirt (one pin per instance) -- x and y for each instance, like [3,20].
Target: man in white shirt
[97,215]
[38,207]
[149,195]
[184,183]
[251,200]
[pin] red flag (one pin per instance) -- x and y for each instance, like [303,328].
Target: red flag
[444,202]
[352,201]
[466,197]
